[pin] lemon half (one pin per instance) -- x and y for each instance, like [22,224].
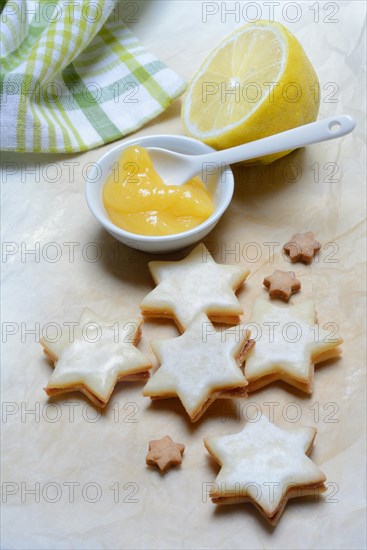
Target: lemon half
[256,83]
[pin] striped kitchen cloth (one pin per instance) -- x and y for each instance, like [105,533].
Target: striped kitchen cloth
[74,77]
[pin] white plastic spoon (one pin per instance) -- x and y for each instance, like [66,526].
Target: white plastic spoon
[177,168]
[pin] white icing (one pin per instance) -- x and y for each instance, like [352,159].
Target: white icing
[195,285]
[262,461]
[90,324]
[96,355]
[197,363]
[288,337]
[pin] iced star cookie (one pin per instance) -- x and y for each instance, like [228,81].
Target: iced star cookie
[95,355]
[265,465]
[289,343]
[195,285]
[200,366]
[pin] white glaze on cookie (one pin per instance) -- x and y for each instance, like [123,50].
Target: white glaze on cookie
[263,463]
[95,355]
[196,284]
[288,342]
[197,364]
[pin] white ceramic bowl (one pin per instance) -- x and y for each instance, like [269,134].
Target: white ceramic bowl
[220,185]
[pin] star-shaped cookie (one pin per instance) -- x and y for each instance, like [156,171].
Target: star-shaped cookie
[282,284]
[266,465]
[96,355]
[199,366]
[195,285]
[289,343]
[164,453]
[302,247]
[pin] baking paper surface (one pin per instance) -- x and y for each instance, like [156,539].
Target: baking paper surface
[91,488]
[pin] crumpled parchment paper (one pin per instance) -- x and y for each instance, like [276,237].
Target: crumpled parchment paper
[75,477]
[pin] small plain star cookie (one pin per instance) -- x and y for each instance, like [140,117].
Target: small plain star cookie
[164,453]
[302,247]
[200,366]
[196,284]
[289,343]
[96,355]
[282,284]
[265,465]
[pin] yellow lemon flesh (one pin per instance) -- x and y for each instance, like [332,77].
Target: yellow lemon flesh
[137,200]
[256,83]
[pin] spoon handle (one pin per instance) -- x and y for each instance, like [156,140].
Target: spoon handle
[321,130]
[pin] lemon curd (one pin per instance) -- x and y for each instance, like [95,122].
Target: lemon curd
[137,200]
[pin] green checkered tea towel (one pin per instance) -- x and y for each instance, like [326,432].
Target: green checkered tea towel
[74,77]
